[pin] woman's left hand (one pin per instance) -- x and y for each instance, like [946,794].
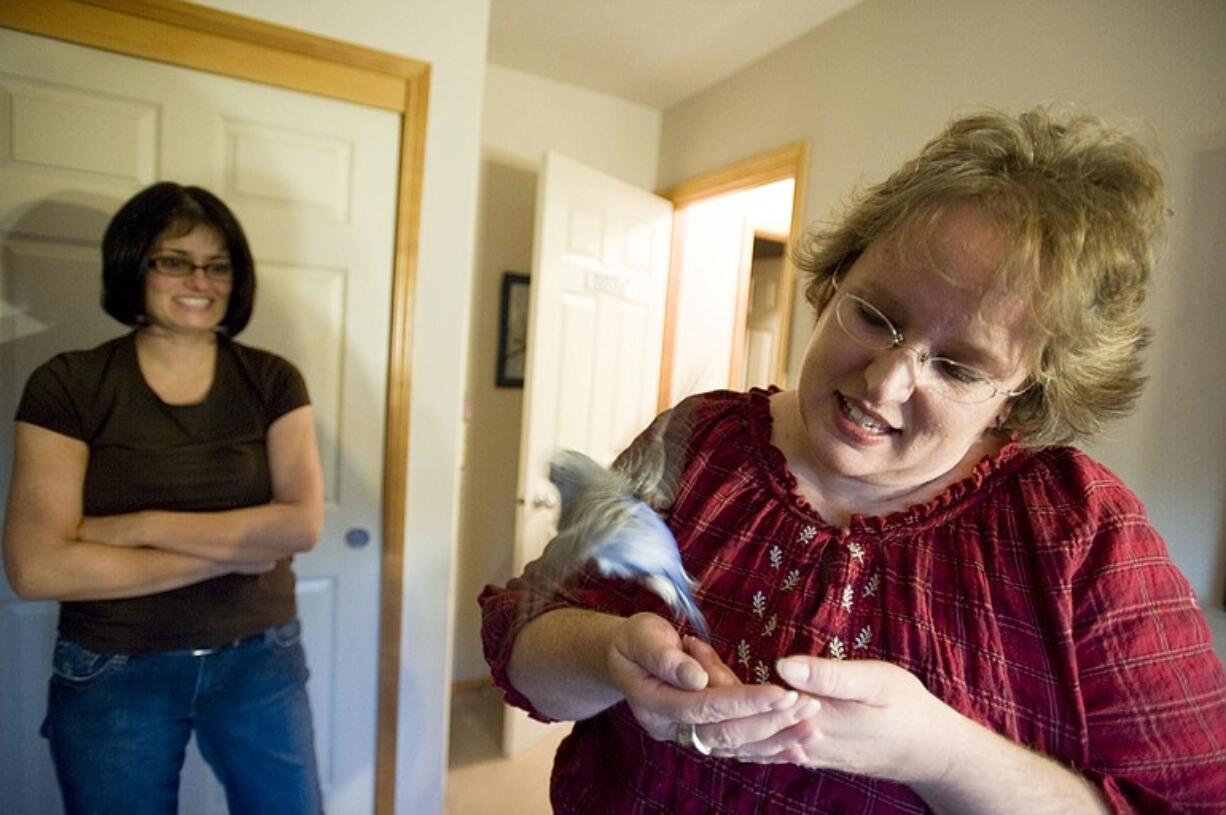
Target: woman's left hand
[875,719]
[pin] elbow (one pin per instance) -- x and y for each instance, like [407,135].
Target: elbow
[31,593]
[296,530]
[306,541]
[26,584]
[312,528]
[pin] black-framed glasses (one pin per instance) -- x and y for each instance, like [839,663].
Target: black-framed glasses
[865,325]
[179,266]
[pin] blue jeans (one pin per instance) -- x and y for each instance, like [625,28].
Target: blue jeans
[118,726]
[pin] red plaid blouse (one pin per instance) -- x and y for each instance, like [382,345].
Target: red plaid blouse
[1033,596]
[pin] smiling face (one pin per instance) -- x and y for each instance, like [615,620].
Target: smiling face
[193,304]
[869,417]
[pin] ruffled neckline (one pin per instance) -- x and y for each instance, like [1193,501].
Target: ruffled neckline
[956,498]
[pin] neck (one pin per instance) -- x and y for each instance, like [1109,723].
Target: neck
[160,345]
[177,366]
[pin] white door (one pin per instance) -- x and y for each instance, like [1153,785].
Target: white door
[313,182]
[595,334]
[764,318]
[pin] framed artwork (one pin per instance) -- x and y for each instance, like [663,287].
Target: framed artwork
[512,330]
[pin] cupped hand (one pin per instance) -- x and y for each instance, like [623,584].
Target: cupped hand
[875,719]
[667,681]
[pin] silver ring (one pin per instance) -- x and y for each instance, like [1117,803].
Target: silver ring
[687,736]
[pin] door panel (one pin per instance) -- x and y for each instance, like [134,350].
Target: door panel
[313,183]
[596,317]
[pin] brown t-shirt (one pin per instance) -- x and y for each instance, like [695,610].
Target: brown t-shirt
[146,454]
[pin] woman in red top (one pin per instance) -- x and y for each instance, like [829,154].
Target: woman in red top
[919,599]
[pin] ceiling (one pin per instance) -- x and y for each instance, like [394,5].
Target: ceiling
[655,52]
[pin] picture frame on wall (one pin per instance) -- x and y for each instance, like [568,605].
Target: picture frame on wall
[512,330]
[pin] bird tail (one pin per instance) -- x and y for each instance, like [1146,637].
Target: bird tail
[680,599]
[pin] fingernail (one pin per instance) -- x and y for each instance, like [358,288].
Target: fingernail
[787,701]
[693,677]
[793,669]
[808,708]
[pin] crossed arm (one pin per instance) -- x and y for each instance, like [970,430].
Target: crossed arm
[865,717]
[51,551]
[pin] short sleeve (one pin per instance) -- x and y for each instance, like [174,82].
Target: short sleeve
[48,400]
[280,386]
[286,389]
[1153,688]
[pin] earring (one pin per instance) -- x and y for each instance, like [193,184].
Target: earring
[999,424]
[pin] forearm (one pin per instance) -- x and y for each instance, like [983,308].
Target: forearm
[560,662]
[81,570]
[989,773]
[262,533]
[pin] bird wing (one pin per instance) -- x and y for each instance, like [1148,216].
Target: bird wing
[653,465]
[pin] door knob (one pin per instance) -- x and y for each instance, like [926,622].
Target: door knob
[357,537]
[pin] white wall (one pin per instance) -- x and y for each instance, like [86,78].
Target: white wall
[524,116]
[868,88]
[451,36]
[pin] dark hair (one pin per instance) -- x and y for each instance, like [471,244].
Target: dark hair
[132,236]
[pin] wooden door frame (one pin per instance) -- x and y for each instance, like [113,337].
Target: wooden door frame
[790,161]
[205,39]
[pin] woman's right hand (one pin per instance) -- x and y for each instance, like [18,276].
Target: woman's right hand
[667,682]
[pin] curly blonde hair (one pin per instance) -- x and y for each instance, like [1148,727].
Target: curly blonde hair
[1081,205]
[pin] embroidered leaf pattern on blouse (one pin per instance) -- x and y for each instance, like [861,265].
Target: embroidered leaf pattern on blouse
[857,551]
[807,534]
[870,588]
[863,638]
[769,628]
[759,604]
[836,649]
[791,580]
[742,653]
[849,594]
[776,557]
[761,673]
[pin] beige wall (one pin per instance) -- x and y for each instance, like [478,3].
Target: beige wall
[870,86]
[451,36]
[505,212]
[524,116]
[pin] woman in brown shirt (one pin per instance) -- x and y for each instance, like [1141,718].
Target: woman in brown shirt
[162,482]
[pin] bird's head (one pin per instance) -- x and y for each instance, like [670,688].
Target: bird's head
[571,471]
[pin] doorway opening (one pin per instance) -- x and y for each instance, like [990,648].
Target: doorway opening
[730,319]
[764,317]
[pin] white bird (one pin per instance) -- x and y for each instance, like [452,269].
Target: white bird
[607,518]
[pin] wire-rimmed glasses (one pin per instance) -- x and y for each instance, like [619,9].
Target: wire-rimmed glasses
[178,266]
[865,325]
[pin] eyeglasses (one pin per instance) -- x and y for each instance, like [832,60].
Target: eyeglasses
[178,266]
[864,323]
